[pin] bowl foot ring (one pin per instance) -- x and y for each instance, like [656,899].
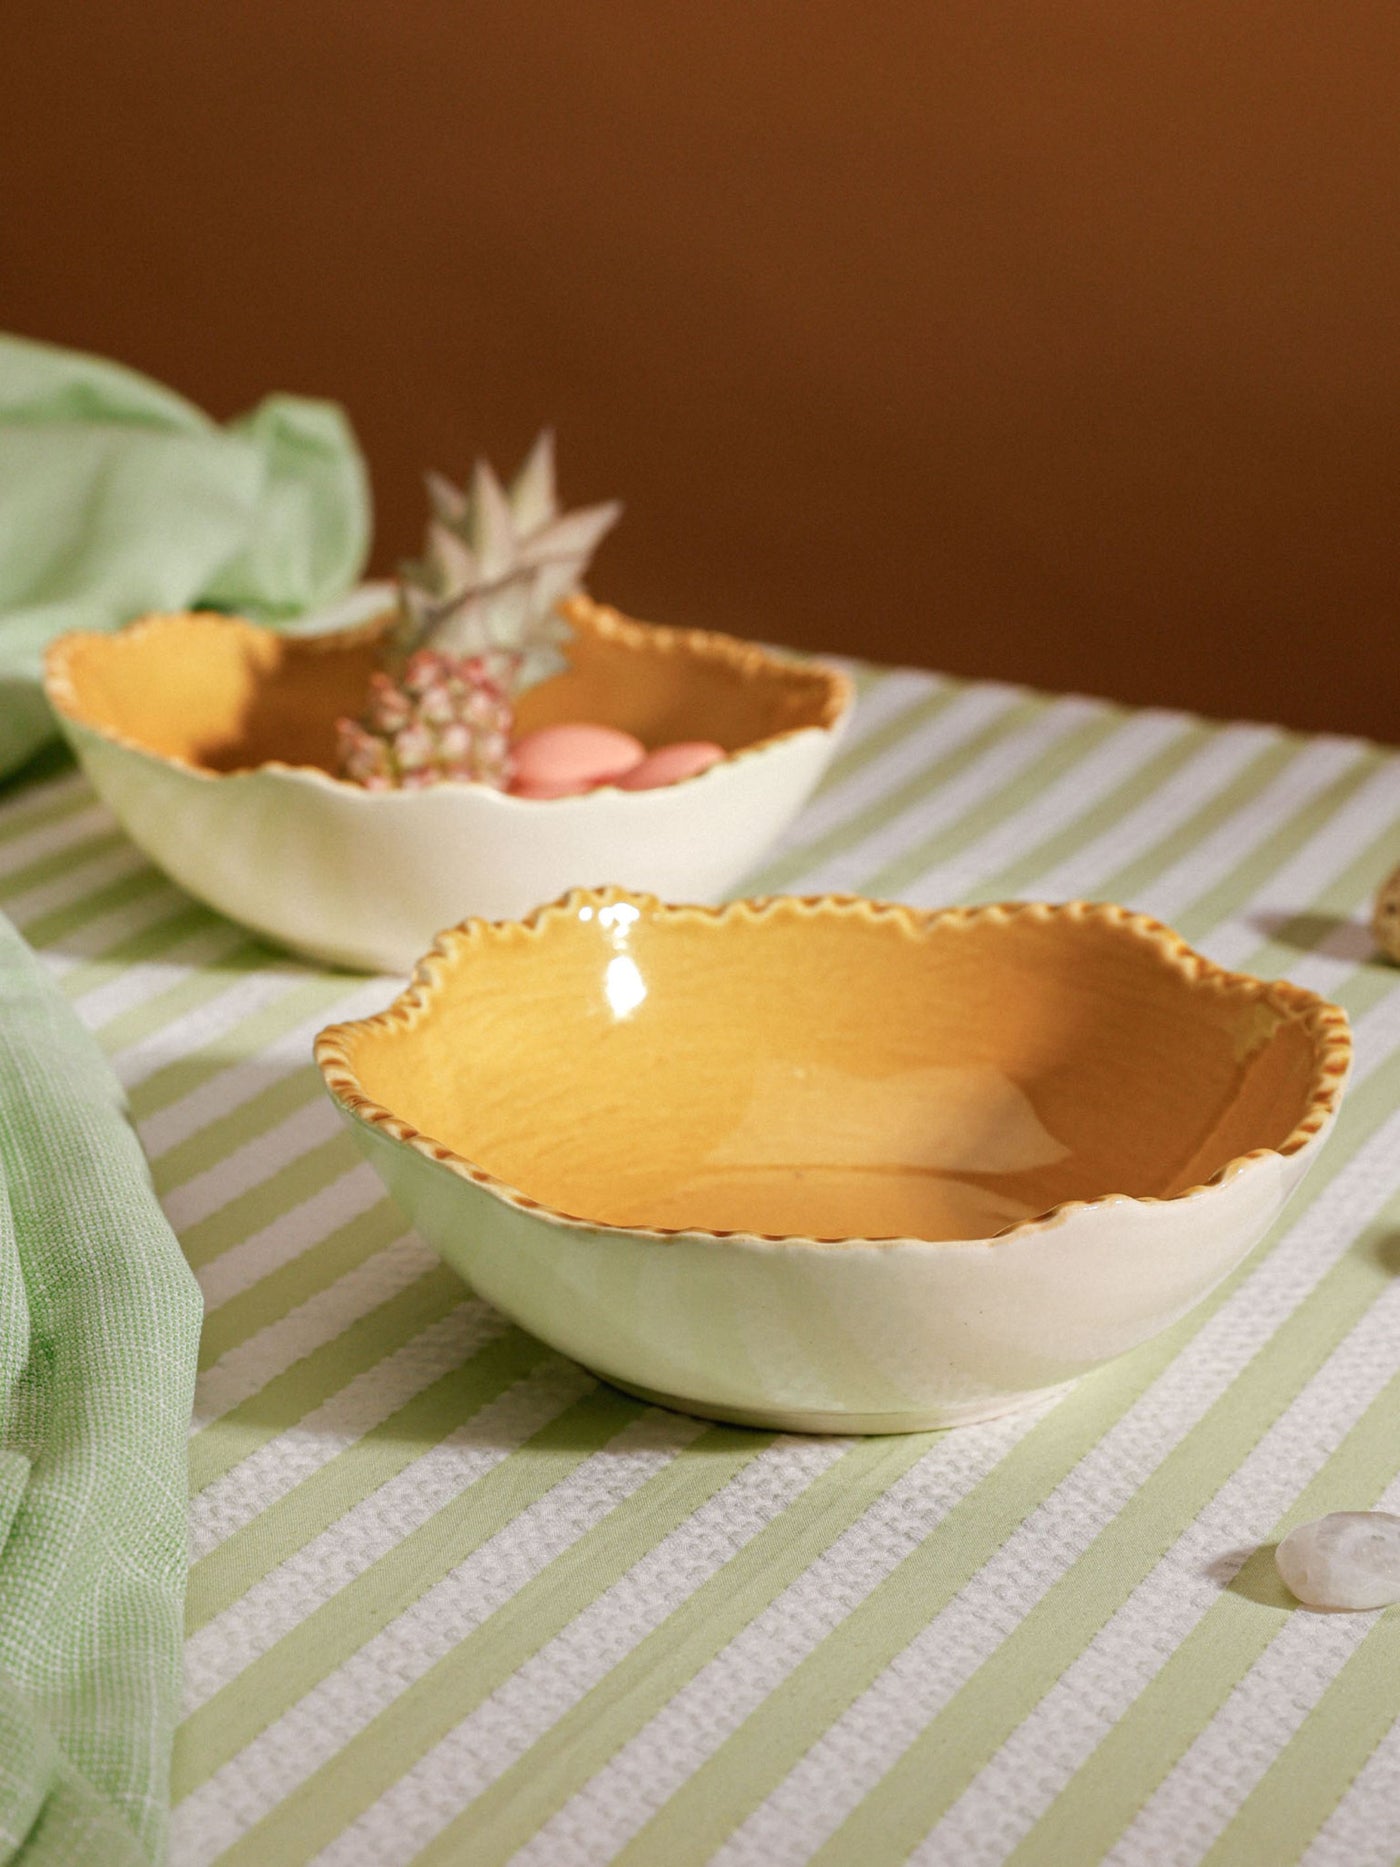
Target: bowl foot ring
[837,1424]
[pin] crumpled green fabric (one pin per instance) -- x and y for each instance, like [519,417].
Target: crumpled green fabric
[118,496]
[99,1331]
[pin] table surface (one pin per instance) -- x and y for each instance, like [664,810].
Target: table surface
[453,1600]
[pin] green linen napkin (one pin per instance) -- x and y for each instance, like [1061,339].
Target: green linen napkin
[99,1327]
[119,496]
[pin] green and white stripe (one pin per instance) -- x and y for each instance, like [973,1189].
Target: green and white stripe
[452,1600]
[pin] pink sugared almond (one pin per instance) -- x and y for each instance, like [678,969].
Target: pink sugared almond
[558,760]
[668,764]
[565,761]
[574,789]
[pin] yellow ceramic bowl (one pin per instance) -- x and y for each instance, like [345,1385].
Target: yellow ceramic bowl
[213,741]
[832,1165]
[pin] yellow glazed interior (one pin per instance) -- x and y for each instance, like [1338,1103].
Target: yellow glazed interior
[837,1068]
[223,695]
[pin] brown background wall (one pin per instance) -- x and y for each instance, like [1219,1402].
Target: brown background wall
[1055,342]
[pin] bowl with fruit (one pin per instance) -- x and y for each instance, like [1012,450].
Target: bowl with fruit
[492,739]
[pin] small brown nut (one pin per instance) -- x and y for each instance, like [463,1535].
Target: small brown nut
[1385,922]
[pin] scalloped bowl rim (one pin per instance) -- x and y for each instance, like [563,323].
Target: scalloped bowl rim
[60,692]
[1327,1024]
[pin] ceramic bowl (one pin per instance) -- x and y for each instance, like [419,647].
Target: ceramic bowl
[212,739]
[832,1165]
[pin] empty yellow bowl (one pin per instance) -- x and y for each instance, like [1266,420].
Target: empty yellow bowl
[834,1165]
[213,740]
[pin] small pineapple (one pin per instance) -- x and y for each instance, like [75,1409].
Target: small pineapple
[445,716]
[477,626]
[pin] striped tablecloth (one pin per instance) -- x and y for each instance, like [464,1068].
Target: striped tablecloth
[454,1601]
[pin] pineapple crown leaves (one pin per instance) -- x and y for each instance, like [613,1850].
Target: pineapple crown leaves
[496,564]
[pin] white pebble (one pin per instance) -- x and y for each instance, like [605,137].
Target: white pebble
[1348,1560]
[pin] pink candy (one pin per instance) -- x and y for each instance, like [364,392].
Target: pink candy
[687,758]
[562,761]
[564,788]
[558,760]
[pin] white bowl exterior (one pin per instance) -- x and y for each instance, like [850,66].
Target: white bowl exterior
[878,1337]
[367,879]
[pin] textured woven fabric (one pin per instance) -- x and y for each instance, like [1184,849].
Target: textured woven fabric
[453,1601]
[122,497]
[99,1329]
